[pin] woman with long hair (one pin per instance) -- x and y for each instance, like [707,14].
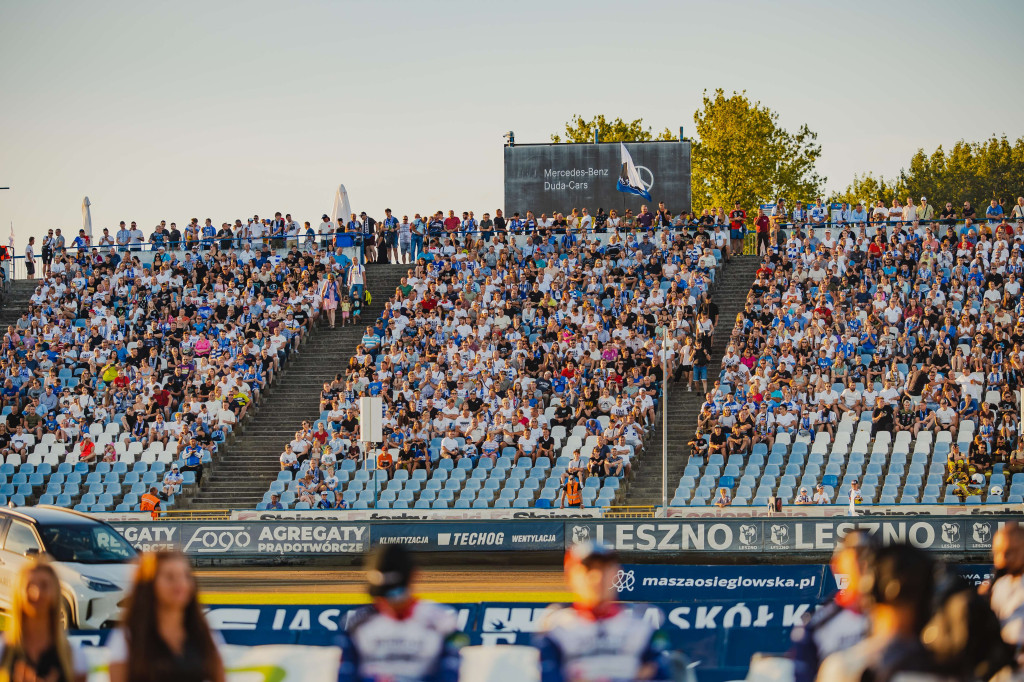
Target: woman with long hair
[164,636]
[330,296]
[34,646]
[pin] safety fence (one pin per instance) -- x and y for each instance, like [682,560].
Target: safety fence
[353,242]
[327,537]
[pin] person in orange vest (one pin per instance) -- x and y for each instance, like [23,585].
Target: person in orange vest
[151,502]
[386,462]
[572,492]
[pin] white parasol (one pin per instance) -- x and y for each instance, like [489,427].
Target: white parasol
[342,210]
[87,218]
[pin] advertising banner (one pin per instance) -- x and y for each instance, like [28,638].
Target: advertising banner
[414,514]
[545,178]
[945,534]
[639,582]
[816,510]
[248,539]
[298,624]
[811,537]
[491,536]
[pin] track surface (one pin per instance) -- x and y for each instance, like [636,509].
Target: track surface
[317,586]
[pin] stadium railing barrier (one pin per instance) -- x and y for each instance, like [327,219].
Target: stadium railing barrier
[14,268]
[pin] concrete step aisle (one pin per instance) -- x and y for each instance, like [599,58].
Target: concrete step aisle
[730,293]
[16,303]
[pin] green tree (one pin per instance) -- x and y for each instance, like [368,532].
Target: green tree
[869,189]
[743,154]
[580,129]
[968,171]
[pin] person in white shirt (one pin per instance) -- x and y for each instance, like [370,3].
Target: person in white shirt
[356,280]
[137,238]
[30,257]
[946,416]
[909,211]
[289,460]
[172,481]
[325,229]
[820,496]
[450,447]
[586,221]
[855,497]
[895,211]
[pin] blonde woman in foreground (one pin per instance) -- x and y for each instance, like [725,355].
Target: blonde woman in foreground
[34,648]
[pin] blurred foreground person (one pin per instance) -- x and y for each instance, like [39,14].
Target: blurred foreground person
[897,591]
[164,636]
[841,622]
[398,638]
[1006,593]
[595,638]
[963,633]
[34,647]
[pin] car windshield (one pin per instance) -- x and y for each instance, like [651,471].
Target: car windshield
[86,543]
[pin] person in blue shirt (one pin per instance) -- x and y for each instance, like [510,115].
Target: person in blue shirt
[391,234]
[193,459]
[994,213]
[419,230]
[819,214]
[370,340]
[859,214]
[124,238]
[209,232]
[81,242]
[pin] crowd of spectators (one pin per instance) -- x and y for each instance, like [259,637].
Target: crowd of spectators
[493,346]
[917,323]
[122,354]
[497,345]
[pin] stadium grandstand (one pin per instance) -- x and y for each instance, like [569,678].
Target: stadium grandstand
[865,356]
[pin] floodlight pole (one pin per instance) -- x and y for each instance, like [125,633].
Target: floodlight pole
[664,421]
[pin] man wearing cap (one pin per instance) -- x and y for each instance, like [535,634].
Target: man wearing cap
[840,623]
[925,212]
[172,482]
[398,637]
[193,458]
[596,638]
[325,501]
[325,230]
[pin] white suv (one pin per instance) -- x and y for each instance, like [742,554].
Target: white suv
[95,564]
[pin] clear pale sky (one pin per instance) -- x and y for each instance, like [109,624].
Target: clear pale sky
[169,110]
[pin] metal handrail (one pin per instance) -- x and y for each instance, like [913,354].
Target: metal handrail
[195,515]
[635,511]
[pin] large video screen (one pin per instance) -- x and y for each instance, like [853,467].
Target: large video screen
[545,178]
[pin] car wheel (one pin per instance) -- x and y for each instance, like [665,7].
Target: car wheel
[67,619]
